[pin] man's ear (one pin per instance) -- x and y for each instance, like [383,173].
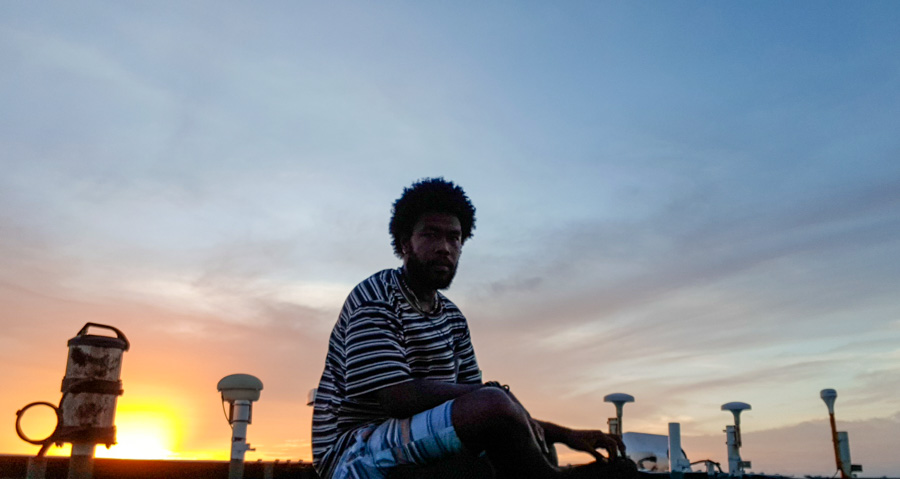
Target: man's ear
[405,246]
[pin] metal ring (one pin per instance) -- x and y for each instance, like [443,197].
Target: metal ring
[22,435]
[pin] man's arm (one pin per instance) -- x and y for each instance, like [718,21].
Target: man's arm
[412,397]
[584,440]
[577,439]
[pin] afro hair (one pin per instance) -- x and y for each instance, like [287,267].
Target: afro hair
[429,195]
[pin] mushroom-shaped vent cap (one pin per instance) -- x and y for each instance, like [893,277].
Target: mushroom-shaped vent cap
[827,394]
[618,398]
[240,386]
[735,406]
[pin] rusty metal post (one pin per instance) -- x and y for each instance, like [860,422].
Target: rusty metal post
[86,413]
[837,447]
[91,388]
[829,396]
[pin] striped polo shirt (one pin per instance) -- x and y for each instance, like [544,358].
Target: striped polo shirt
[380,340]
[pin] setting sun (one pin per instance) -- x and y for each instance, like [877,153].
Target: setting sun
[144,431]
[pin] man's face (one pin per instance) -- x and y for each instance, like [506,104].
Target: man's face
[432,252]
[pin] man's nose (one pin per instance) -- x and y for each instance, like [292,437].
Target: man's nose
[445,245]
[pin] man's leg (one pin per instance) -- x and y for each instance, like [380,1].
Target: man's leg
[421,440]
[489,420]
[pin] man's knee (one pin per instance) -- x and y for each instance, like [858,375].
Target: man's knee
[488,408]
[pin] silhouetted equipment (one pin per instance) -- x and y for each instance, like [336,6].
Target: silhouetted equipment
[840,438]
[87,410]
[619,399]
[678,461]
[736,466]
[652,452]
[239,390]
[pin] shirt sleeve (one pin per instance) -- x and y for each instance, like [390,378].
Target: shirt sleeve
[469,372]
[375,354]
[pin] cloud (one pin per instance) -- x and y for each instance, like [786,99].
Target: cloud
[629,264]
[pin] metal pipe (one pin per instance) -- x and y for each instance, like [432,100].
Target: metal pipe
[619,417]
[844,448]
[239,445]
[837,447]
[81,464]
[734,452]
[676,464]
[36,468]
[619,399]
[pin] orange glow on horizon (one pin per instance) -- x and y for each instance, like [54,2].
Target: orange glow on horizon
[144,431]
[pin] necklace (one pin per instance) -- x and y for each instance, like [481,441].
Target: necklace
[414,300]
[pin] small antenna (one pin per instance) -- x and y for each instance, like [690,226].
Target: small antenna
[240,390]
[840,439]
[733,438]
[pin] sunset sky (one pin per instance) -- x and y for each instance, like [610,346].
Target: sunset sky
[690,202]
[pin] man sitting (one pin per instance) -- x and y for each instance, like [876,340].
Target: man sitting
[401,385]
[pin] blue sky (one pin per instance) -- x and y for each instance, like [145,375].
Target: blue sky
[693,202]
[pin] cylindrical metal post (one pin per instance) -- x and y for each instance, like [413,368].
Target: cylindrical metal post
[37,468]
[81,464]
[844,454]
[675,462]
[734,452]
[613,424]
[239,445]
[619,417]
[737,428]
[619,399]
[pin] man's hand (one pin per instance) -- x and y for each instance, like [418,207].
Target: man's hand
[580,440]
[589,441]
[539,436]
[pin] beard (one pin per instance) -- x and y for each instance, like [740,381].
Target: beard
[424,275]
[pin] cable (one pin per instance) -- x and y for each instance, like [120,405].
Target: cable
[640,463]
[228,419]
[709,461]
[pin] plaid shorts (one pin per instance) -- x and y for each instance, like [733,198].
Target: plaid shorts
[424,438]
